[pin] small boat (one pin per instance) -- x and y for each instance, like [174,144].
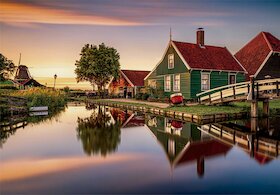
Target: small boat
[38,109]
[176,98]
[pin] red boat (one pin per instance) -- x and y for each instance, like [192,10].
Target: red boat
[176,98]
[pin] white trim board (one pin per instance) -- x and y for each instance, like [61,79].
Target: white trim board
[127,79]
[166,49]
[262,65]
[171,43]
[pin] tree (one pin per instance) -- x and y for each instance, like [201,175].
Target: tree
[98,65]
[7,68]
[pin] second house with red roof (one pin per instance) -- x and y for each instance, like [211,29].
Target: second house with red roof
[190,68]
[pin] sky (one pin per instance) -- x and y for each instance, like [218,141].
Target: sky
[50,34]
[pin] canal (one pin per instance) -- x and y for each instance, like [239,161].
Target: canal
[107,150]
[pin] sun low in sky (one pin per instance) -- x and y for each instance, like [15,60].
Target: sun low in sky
[50,34]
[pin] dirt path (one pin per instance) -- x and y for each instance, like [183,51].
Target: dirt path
[157,104]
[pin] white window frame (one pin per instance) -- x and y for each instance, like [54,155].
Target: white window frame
[169,65]
[179,86]
[165,89]
[209,84]
[231,74]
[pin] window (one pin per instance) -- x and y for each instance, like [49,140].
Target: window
[167,83]
[176,83]
[170,61]
[232,79]
[205,81]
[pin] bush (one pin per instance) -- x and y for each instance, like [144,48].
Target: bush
[139,96]
[145,96]
[43,97]
[66,89]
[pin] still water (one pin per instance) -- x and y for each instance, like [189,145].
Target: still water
[105,150]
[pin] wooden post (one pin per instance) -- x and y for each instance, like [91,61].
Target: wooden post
[257,95]
[277,88]
[254,109]
[234,96]
[221,94]
[209,98]
[266,108]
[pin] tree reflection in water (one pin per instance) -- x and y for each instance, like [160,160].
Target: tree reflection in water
[99,133]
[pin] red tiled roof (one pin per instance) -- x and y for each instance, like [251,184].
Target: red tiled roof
[253,54]
[136,76]
[207,57]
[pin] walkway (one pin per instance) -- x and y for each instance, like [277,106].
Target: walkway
[157,104]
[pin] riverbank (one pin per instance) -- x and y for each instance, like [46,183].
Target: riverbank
[196,113]
[19,101]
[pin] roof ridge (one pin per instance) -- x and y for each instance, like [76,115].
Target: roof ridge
[135,70]
[267,42]
[197,44]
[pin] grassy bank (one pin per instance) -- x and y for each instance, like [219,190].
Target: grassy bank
[195,109]
[42,97]
[205,109]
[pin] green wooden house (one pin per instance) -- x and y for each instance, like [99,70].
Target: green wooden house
[190,68]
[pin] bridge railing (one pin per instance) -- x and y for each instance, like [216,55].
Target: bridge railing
[234,91]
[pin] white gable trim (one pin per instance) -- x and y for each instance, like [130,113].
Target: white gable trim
[166,49]
[127,78]
[262,65]
[180,55]
[164,54]
[237,61]
[267,42]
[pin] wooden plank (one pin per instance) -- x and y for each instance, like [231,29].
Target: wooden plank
[39,108]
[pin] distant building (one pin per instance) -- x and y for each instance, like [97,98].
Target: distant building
[190,68]
[127,83]
[23,78]
[261,56]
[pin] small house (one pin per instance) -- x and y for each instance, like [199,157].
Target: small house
[128,83]
[190,68]
[261,56]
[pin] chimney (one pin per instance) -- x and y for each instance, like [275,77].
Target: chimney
[200,37]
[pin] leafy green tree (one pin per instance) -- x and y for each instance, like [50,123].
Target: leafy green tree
[98,134]
[97,64]
[7,68]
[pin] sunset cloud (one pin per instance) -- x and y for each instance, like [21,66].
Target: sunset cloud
[26,13]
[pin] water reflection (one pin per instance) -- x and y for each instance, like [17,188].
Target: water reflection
[184,143]
[9,126]
[257,137]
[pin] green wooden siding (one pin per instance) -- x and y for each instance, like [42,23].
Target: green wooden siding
[217,79]
[190,82]
[179,68]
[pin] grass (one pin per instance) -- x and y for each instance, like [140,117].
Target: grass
[42,97]
[203,109]
[196,109]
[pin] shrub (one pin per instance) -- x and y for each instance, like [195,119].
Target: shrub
[66,89]
[145,96]
[139,96]
[43,97]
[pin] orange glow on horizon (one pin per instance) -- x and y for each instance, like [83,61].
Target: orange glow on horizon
[19,169]
[20,13]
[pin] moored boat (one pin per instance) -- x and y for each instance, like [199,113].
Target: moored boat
[176,98]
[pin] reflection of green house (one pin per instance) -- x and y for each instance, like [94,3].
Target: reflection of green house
[190,68]
[185,144]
